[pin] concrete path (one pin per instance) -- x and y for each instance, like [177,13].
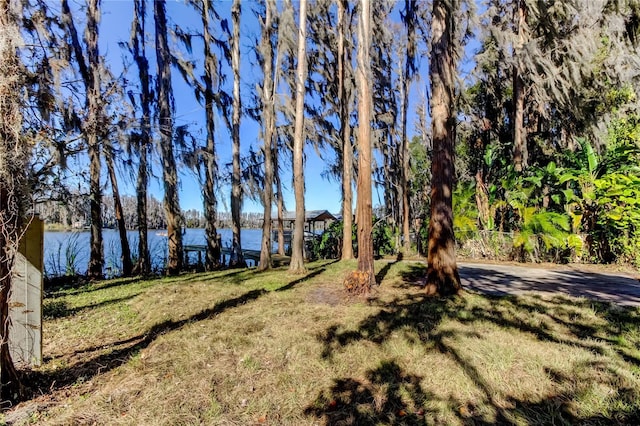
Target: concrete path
[494,279]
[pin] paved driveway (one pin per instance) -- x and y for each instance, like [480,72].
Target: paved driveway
[507,279]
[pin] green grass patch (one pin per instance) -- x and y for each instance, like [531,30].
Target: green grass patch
[247,347]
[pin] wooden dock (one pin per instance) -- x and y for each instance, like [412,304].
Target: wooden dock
[252,257]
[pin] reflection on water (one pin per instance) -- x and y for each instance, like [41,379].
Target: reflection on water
[68,252]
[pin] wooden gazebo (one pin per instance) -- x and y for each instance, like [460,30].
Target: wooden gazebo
[314,220]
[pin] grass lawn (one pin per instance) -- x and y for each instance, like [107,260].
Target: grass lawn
[242,347]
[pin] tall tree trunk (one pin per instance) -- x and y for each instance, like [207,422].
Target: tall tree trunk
[280,201]
[297,249]
[212,258]
[143,265]
[275,149]
[345,136]
[96,256]
[236,188]
[406,83]
[90,72]
[409,70]
[268,118]
[10,224]
[520,154]
[362,280]
[391,154]
[125,257]
[347,192]
[404,174]
[165,115]
[93,133]
[13,183]
[442,272]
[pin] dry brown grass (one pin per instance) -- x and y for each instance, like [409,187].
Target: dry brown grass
[240,347]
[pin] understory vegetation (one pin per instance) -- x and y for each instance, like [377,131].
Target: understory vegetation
[240,347]
[568,206]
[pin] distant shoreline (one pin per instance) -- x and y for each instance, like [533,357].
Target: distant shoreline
[57,228]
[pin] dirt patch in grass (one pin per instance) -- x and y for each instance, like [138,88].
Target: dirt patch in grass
[242,347]
[328,294]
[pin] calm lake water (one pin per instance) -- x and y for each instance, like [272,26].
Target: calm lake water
[68,252]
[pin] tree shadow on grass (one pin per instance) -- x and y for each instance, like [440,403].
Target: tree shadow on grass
[43,382]
[81,285]
[552,306]
[239,277]
[55,309]
[307,277]
[122,351]
[54,292]
[416,318]
[382,273]
[234,276]
[414,275]
[388,395]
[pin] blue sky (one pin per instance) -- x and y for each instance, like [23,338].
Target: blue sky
[320,193]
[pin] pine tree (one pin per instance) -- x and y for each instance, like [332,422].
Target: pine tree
[125,251]
[165,116]
[410,17]
[361,280]
[297,245]
[143,138]
[211,78]
[89,65]
[236,184]
[268,127]
[344,92]
[442,272]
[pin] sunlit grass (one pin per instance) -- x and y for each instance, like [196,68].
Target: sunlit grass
[242,347]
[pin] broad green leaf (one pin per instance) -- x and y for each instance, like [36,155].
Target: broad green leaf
[575,242]
[568,195]
[551,168]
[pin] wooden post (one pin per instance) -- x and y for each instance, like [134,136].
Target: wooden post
[25,337]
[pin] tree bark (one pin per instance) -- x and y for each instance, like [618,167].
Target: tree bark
[362,280]
[125,257]
[237,259]
[442,272]
[280,201]
[96,259]
[404,184]
[345,135]
[347,193]
[268,118]
[13,184]
[143,265]
[165,115]
[520,154]
[276,153]
[212,256]
[10,385]
[297,249]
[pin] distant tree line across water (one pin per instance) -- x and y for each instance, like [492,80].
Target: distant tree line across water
[74,214]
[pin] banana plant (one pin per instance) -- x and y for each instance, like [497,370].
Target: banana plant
[603,196]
